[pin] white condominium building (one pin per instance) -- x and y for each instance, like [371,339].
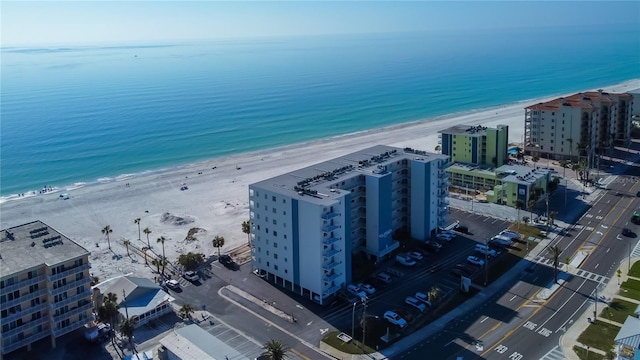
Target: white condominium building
[306,224]
[45,285]
[580,125]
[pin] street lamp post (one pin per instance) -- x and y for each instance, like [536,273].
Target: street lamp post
[353,319]
[364,320]
[486,263]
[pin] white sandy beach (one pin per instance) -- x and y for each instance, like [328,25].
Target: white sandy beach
[217,195]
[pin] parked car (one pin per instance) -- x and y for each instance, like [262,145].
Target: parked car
[462,229]
[450,233]
[191,276]
[475,260]
[444,237]
[423,297]
[227,261]
[395,319]
[627,232]
[405,260]
[348,297]
[356,291]
[173,284]
[432,246]
[501,240]
[384,277]
[415,255]
[367,288]
[510,234]
[410,300]
[485,250]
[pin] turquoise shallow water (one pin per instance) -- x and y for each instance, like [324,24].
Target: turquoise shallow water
[82,113]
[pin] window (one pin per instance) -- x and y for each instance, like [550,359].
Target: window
[552,141]
[275,233]
[275,244]
[285,259]
[275,255]
[267,264]
[285,271]
[274,210]
[284,201]
[266,230]
[275,222]
[267,252]
[275,267]
[284,213]
[265,196]
[273,198]
[552,148]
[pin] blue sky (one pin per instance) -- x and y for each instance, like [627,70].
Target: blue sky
[84,22]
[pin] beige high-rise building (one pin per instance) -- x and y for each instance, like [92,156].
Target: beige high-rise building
[45,285]
[581,125]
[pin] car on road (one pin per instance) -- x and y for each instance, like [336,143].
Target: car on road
[485,250]
[415,255]
[356,291]
[410,300]
[627,232]
[405,260]
[191,276]
[367,288]
[172,284]
[474,260]
[383,277]
[395,319]
[227,261]
[423,297]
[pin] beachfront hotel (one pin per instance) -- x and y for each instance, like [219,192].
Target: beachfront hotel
[306,224]
[580,125]
[479,145]
[45,285]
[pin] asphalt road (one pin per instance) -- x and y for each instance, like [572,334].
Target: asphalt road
[515,324]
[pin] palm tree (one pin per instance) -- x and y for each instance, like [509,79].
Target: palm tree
[147,231]
[157,264]
[126,328]
[218,242]
[519,206]
[434,294]
[570,141]
[555,257]
[144,251]
[162,239]
[107,230]
[185,311]
[109,308]
[535,160]
[126,244]
[246,228]
[275,350]
[137,222]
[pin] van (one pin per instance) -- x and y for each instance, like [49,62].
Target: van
[484,249]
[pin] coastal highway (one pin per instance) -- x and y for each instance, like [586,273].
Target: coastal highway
[516,323]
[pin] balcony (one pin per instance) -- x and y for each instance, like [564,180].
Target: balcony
[23,283]
[18,314]
[24,342]
[64,274]
[330,252]
[331,290]
[443,202]
[26,326]
[23,298]
[330,265]
[73,326]
[330,240]
[74,298]
[332,277]
[329,215]
[443,175]
[69,286]
[80,309]
[443,184]
[329,228]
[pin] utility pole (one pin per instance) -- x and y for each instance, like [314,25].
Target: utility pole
[486,263]
[595,311]
[548,218]
[124,300]
[364,321]
[353,319]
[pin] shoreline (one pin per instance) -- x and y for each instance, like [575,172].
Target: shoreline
[58,188]
[216,199]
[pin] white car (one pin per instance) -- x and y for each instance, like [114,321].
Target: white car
[423,297]
[191,276]
[415,255]
[172,284]
[415,303]
[444,237]
[475,260]
[395,319]
[356,291]
[450,233]
[367,288]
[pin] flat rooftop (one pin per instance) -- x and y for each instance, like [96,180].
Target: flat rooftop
[314,182]
[521,174]
[468,130]
[475,169]
[193,342]
[34,244]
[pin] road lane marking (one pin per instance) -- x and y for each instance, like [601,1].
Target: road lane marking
[514,296]
[483,320]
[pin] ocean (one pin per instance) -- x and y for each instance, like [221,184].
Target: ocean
[77,115]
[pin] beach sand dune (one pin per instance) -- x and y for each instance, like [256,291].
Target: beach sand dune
[216,197]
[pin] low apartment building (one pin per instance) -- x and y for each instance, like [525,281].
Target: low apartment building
[306,224]
[479,145]
[578,126]
[45,285]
